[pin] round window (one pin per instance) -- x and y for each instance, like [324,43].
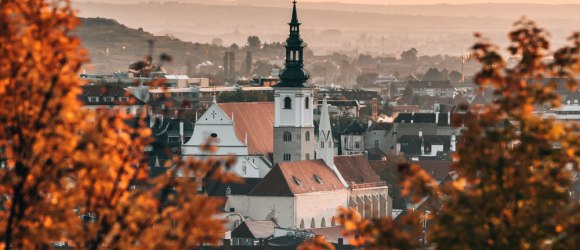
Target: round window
[213,135]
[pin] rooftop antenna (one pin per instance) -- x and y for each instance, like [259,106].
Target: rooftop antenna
[150,55]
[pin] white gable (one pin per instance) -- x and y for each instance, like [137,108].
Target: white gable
[214,123]
[214,116]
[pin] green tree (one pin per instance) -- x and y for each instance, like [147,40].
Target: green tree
[410,55]
[254,42]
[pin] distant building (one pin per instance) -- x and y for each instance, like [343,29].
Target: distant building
[109,97]
[432,88]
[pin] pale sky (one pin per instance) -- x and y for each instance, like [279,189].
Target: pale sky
[383,2]
[449,1]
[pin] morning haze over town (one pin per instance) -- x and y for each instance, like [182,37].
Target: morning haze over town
[282,124]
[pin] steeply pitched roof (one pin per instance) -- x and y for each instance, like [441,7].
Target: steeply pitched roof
[102,91]
[431,84]
[254,229]
[256,119]
[437,169]
[216,188]
[354,127]
[355,169]
[298,177]
[411,144]
[381,126]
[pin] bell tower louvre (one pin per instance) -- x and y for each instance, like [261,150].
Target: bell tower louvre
[294,138]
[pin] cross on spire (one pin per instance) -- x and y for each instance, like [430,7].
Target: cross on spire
[294,75]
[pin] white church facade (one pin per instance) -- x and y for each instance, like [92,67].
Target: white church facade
[308,182]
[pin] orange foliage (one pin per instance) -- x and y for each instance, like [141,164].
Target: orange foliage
[513,168]
[64,163]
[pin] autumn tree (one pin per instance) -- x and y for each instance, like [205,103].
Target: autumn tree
[513,167]
[78,176]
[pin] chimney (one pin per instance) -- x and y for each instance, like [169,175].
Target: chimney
[437,117]
[181,132]
[453,143]
[449,118]
[151,121]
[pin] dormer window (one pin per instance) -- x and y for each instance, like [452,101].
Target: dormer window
[287,103]
[93,99]
[318,179]
[297,181]
[123,99]
[108,99]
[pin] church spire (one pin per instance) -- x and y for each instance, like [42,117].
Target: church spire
[294,74]
[325,144]
[294,15]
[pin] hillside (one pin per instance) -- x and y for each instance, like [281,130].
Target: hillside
[112,46]
[330,27]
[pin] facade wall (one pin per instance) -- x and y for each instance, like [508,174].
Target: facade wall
[352,144]
[414,128]
[379,138]
[260,207]
[319,206]
[298,121]
[372,202]
[299,149]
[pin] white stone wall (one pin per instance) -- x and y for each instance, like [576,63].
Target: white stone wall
[259,207]
[318,206]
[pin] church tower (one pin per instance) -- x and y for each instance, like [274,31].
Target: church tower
[294,138]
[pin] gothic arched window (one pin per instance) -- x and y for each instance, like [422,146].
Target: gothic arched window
[287,136]
[307,136]
[307,103]
[323,223]
[287,103]
[312,223]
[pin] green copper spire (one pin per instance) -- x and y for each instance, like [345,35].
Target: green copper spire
[294,74]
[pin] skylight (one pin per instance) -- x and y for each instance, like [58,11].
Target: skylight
[318,179]
[297,181]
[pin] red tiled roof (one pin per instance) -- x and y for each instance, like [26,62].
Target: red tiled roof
[255,229]
[355,168]
[438,169]
[298,177]
[256,119]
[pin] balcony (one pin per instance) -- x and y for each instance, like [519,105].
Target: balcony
[368,185]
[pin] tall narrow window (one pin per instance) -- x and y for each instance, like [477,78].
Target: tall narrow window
[287,136]
[307,136]
[287,103]
[307,103]
[287,157]
[321,144]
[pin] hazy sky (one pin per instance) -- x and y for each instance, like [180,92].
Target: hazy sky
[448,1]
[384,2]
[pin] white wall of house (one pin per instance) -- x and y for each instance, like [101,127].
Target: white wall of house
[319,205]
[214,122]
[260,207]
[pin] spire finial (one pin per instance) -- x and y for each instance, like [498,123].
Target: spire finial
[294,14]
